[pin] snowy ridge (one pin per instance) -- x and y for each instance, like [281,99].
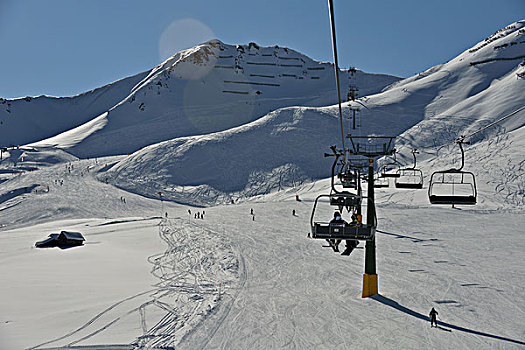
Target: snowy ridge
[281,150]
[73,136]
[31,119]
[210,88]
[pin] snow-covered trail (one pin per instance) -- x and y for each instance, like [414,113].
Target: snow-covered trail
[283,289]
[299,295]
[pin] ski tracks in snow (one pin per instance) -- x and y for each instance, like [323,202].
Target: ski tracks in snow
[197,274]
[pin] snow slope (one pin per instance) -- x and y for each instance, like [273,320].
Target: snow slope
[460,96]
[208,88]
[30,119]
[230,281]
[280,150]
[285,147]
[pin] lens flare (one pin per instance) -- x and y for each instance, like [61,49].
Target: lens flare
[183,34]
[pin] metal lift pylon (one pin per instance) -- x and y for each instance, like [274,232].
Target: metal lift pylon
[375,146]
[370,148]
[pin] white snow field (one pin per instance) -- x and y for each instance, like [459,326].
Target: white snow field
[228,281]
[153,275]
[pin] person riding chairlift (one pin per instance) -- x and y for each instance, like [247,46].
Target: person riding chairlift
[336,220]
[356,220]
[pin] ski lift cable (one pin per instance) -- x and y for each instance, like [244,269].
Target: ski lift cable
[493,123]
[336,67]
[463,137]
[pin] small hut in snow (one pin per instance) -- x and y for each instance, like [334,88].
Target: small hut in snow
[62,239]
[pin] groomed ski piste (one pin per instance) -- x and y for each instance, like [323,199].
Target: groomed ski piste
[153,275]
[233,280]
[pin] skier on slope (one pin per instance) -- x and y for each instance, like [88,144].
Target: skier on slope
[433,318]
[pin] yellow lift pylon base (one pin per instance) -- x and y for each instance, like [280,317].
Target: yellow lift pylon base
[370,286]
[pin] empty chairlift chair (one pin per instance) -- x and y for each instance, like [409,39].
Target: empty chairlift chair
[410,177]
[390,169]
[381,182]
[453,186]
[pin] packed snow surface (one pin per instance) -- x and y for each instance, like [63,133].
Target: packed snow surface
[236,280]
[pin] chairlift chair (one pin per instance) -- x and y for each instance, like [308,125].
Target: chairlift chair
[348,179]
[389,170]
[344,199]
[341,199]
[410,177]
[340,231]
[453,186]
[381,182]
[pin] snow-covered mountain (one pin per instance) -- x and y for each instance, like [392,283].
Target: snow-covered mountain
[245,276]
[285,147]
[215,109]
[208,88]
[30,119]
[457,97]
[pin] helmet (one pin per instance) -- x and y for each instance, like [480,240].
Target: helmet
[337,215]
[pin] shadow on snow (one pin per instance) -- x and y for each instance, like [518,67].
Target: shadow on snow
[397,306]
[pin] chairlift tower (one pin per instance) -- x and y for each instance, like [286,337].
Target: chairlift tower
[365,146]
[371,147]
[353,92]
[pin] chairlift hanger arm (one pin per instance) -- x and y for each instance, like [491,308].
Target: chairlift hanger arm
[414,152]
[460,143]
[333,172]
[335,154]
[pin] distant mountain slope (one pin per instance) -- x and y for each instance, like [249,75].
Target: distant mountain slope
[464,93]
[285,147]
[282,149]
[209,88]
[30,119]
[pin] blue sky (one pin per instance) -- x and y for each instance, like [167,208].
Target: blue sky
[65,47]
